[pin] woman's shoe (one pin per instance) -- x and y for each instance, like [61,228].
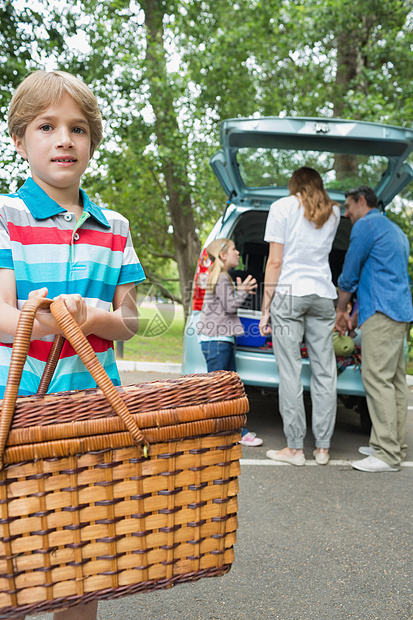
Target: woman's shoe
[321,458]
[295,459]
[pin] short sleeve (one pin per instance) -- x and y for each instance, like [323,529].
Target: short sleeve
[6,257]
[131,270]
[275,230]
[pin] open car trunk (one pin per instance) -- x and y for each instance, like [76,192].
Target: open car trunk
[248,236]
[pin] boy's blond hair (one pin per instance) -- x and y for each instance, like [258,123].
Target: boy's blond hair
[42,89]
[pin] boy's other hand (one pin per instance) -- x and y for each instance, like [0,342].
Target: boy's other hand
[41,292]
[45,323]
[76,305]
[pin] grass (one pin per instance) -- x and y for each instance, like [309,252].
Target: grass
[160,334]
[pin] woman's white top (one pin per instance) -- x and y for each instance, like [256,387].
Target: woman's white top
[305,268]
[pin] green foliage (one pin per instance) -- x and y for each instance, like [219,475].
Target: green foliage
[403,217]
[127,181]
[29,39]
[232,58]
[311,58]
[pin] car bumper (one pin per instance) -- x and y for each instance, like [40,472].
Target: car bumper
[257,367]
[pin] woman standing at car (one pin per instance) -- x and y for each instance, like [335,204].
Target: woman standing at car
[298,296]
[219,323]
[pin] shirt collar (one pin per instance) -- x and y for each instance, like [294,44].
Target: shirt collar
[41,206]
[373,211]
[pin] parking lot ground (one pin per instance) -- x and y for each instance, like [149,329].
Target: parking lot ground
[264,419]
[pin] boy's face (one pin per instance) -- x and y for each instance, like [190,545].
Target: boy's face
[57,146]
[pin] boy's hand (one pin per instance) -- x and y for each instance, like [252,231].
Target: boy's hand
[41,292]
[76,305]
[46,324]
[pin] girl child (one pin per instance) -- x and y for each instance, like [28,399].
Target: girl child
[219,324]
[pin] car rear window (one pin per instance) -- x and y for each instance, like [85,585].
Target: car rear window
[270,167]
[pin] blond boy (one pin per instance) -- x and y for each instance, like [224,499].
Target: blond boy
[55,241]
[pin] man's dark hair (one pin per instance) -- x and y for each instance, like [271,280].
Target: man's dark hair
[366,191]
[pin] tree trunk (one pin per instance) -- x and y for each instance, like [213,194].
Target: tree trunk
[171,148]
[349,65]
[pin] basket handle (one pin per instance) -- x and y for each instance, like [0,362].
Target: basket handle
[81,345]
[51,364]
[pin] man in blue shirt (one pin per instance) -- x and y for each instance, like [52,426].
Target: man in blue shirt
[376,267]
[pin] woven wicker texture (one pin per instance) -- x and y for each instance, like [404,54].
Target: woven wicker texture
[85,515]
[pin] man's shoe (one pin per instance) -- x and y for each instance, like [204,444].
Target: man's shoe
[372,464]
[367,450]
[296,459]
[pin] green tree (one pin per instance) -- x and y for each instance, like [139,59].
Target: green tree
[232,58]
[150,167]
[306,58]
[29,39]
[313,58]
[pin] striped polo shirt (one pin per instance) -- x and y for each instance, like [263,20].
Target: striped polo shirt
[45,246]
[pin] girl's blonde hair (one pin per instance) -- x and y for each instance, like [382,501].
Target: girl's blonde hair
[214,250]
[42,89]
[313,197]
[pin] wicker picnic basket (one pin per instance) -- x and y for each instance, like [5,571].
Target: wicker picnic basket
[113,491]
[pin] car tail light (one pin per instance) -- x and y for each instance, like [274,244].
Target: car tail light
[200,280]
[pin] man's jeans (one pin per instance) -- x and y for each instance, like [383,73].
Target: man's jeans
[383,372]
[219,354]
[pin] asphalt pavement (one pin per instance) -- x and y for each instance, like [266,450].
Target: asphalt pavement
[314,543]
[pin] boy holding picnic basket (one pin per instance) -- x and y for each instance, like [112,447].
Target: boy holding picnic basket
[56,243]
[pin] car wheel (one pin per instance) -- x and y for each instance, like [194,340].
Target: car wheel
[365,421]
